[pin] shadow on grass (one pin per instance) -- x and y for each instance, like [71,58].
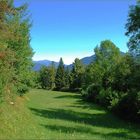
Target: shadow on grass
[87,105]
[80,103]
[83,130]
[74,96]
[99,119]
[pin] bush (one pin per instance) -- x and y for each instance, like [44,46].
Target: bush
[91,92]
[129,107]
[22,89]
[108,98]
[102,97]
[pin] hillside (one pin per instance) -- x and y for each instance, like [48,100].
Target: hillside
[17,122]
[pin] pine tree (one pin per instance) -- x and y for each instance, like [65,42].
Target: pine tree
[52,75]
[60,76]
[67,77]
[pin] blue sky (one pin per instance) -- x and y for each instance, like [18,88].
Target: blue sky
[72,28]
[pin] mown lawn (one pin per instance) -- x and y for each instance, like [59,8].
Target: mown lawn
[59,115]
[66,116]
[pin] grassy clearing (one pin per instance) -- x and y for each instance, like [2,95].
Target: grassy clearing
[66,116]
[58,115]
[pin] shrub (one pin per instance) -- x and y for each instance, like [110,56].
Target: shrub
[129,107]
[22,89]
[109,98]
[91,92]
[104,97]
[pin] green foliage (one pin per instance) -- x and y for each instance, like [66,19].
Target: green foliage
[104,97]
[91,92]
[52,79]
[122,74]
[107,57]
[44,77]
[102,71]
[109,98]
[116,74]
[77,75]
[47,77]
[133,30]
[52,70]
[15,50]
[22,49]
[36,80]
[60,76]
[129,107]
[134,78]
[67,78]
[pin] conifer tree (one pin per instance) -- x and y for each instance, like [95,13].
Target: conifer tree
[67,77]
[52,75]
[60,76]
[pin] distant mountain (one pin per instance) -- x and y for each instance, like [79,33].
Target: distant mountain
[85,61]
[38,64]
[88,60]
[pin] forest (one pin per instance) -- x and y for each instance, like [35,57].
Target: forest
[111,81]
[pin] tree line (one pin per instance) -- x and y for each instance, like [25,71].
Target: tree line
[61,78]
[112,80]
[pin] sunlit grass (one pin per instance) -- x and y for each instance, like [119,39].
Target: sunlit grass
[66,116]
[17,122]
[58,115]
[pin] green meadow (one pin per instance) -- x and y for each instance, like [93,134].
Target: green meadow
[45,114]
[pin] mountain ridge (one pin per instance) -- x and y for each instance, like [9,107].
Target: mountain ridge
[85,60]
[38,64]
